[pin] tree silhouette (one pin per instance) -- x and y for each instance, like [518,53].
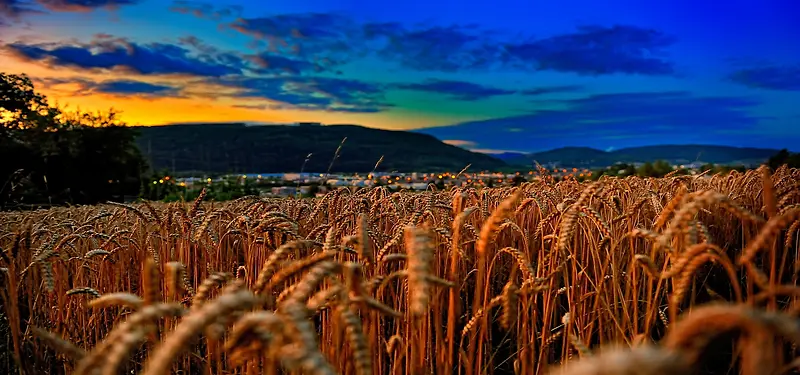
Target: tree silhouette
[48,155]
[784,157]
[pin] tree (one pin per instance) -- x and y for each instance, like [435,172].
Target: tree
[784,157]
[53,156]
[662,168]
[518,180]
[646,170]
[21,106]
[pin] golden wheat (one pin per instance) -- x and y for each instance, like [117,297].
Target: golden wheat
[619,276]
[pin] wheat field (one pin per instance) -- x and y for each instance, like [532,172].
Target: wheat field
[617,276]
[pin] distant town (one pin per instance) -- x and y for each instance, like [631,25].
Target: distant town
[317,184]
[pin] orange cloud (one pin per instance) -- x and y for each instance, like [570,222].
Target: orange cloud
[460,143]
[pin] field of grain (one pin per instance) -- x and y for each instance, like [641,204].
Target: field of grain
[618,276]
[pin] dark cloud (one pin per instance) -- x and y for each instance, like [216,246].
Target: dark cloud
[129,87]
[206,10]
[551,90]
[146,59]
[268,76]
[445,49]
[596,50]
[458,90]
[316,36]
[774,77]
[12,8]
[261,63]
[590,50]
[311,93]
[338,39]
[195,42]
[12,11]
[126,88]
[616,120]
[270,63]
[84,5]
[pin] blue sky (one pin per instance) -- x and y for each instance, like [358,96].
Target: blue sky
[488,76]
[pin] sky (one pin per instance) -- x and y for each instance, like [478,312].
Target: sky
[490,76]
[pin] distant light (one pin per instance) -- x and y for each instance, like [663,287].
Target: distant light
[155,182]
[160,181]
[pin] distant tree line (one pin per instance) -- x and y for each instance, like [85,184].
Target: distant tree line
[784,157]
[661,168]
[50,156]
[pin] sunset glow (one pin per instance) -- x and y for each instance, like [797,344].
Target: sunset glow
[513,75]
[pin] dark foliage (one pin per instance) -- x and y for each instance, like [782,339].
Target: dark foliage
[49,157]
[235,148]
[792,159]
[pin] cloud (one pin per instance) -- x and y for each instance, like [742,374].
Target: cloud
[590,50]
[130,87]
[773,77]
[618,120]
[338,39]
[596,50]
[537,91]
[318,36]
[206,10]
[106,53]
[459,142]
[458,90]
[265,80]
[12,11]
[84,5]
[435,48]
[309,93]
[121,88]
[259,107]
[270,63]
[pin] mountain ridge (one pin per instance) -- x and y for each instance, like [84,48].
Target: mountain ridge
[673,153]
[238,147]
[242,148]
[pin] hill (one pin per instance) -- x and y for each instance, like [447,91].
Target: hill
[506,156]
[237,148]
[674,154]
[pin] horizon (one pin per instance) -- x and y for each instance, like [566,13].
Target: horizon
[510,77]
[488,152]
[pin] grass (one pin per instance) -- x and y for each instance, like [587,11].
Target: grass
[633,276]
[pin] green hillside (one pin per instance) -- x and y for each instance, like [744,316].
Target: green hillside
[236,148]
